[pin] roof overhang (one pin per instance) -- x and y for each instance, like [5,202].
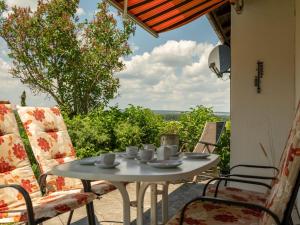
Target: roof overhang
[157,16]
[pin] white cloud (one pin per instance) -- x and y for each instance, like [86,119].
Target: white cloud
[173,76]
[11,89]
[80,11]
[22,3]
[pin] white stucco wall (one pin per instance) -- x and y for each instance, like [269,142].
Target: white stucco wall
[264,31]
[297,61]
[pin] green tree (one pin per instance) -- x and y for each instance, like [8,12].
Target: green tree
[71,60]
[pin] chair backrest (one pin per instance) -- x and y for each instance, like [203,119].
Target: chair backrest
[50,143]
[284,190]
[15,167]
[211,134]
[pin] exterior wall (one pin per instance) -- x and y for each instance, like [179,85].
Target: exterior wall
[297,60]
[264,31]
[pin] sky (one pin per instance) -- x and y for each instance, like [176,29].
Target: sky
[166,73]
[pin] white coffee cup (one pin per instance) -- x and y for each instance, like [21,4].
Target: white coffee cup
[163,152]
[146,155]
[132,150]
[149,146]
[108,158]
[174,149]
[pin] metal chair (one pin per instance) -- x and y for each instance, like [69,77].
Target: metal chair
[276,208]
[21,198]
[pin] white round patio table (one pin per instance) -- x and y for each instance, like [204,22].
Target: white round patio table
[134,171]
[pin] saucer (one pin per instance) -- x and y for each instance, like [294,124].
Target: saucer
[165,164]
[88,161]
[146,161]
[103,166]
[127,156]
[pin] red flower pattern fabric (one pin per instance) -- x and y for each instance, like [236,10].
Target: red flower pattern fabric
[289,170]
[15,168]
[204,213]
[51,145]
[239,194]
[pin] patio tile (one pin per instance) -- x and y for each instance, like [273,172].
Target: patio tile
[109,209]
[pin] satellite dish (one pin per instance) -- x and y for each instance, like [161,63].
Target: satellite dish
[219,60]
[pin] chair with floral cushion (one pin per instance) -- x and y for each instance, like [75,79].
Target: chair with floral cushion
[276,209]
[239,194]
[51,146]
[21,198]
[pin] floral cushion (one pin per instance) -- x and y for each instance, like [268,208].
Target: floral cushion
[47,206]
[51,145]
[290,167]
[205,213]
[15,167]
[239,194]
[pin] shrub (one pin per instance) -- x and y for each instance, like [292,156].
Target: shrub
[127,134]
[89,135]
[148,122]
[223,150]
[170,127]
[192,124]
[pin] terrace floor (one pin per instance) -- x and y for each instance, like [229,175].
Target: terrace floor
[109,208]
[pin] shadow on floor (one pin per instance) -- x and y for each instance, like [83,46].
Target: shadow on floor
[177,199]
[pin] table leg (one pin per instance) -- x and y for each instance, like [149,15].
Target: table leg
[89,206]
[140,202]
[126,201]
[153,204]
[137,189]
[165,201]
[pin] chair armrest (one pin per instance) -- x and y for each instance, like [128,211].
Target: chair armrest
[256,166]
[230,202]
[43,182]
[226,179]
[250,176]
[27,199]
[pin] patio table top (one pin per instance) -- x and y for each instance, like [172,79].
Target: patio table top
[133,171]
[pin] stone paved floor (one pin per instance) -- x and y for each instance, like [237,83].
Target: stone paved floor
[109,208]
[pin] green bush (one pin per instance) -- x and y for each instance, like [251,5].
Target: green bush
[89,135]
[148,122]
[223,150]
[127,134]
[192,124]
[105,130]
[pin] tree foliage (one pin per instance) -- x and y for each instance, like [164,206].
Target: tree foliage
[71,60]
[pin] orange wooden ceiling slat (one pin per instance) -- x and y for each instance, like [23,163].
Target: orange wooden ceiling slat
[146,6]
[174,26]
[161,9]
[161,15]
[179,10]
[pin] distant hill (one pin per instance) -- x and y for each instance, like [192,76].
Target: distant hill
[174,115]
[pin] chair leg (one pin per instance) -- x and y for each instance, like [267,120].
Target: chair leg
[70,217]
